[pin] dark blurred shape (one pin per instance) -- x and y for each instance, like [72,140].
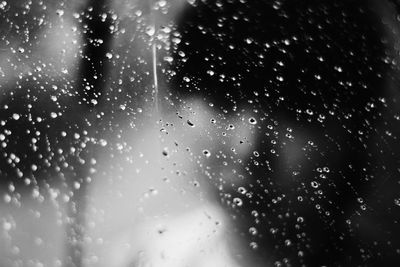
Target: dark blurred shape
[317,68]
[96,42]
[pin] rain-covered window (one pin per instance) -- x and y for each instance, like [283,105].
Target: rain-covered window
[194,133]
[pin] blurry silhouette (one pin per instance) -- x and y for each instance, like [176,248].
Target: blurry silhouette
[316,74]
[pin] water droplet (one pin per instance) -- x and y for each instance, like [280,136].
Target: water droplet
[190,123]
[314,184]
[16,116]
[77,185]
[102,142]
[253,245]
[7,198]
[288,242]
[242,190]
[206,153]
[34,167]
[253,231]
[168,59]
[238,202]
[252,120]
[150,30]
[59,12]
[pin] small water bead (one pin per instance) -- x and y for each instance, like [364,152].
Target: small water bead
[288,243]
[7,198]
[314,184]
[168,59]
[153,191]
[238,202]
[254,245]
[34,167]
[338,69]
[253,230]
[11,187]
[326,169]
[16,116]
[7,226]
[191,124]
[59,12]
[252,121]
[242,190]
[206,153]
[150,30]
[181,54]
[273,230]
[102,142]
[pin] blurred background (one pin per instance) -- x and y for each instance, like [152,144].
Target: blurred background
[138,133]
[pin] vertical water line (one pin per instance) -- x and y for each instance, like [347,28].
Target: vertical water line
[155,77]
[154,58]
[156,110]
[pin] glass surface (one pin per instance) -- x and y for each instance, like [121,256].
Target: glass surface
[174,133]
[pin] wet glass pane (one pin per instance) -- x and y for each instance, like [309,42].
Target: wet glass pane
[138,133]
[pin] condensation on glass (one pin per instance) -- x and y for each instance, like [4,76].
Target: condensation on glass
[199,133]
